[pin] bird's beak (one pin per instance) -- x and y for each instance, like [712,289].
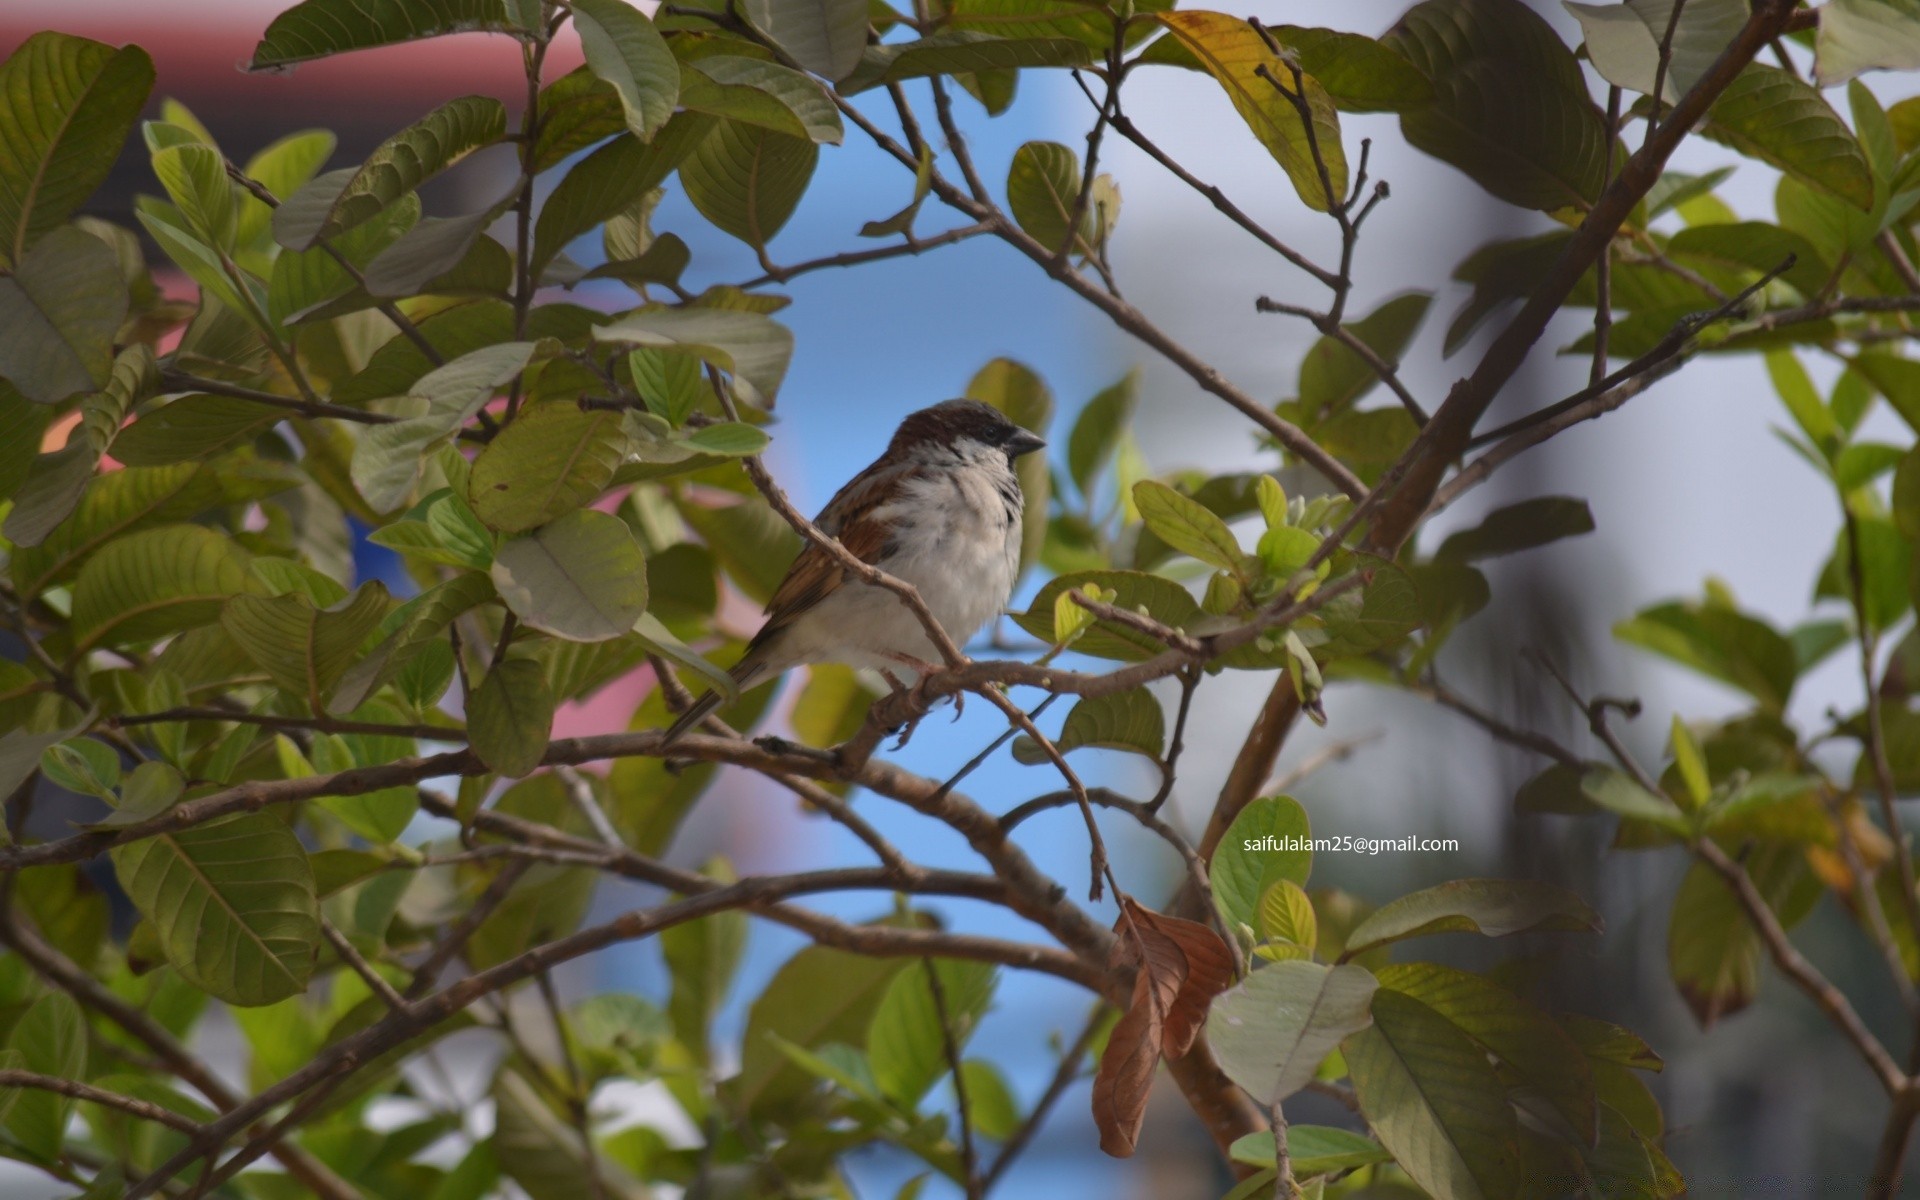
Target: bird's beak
[1023,442]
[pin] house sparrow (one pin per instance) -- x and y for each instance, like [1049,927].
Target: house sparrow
[940,510]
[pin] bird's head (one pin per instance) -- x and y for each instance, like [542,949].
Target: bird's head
[967,428]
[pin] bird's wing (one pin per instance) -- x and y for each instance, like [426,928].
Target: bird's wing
[848,517]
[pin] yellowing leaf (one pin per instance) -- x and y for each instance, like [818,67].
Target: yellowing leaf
[1262,88]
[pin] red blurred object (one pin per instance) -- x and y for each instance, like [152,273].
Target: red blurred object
[200,51]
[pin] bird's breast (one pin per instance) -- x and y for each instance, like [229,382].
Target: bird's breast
[959,544]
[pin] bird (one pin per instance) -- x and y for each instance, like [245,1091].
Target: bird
[940,509]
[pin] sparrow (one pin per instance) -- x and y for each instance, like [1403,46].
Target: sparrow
[941,510]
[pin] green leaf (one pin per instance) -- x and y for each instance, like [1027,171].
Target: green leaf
[990,1101]
[303,649]
[233,903]
[191,428]
[820,995]
[114,504]
[317,28]
[581,577]
[387,458]
[824,36]
[1692,764]
[1043,185]
[59,481]
[304,281]
[1906,495]
[510,716]
[85,766]
[747,179]
[237,298]
[906,1044]
[283,168]
[150,584]
[1855,36]
[1718,641]
[66,105]
[329,205]
[1713,950]
[1162,598]
[1286,917]
[1333,378]
[1271,1032]
[1187,525]
[958,52]
[22,425]
[59,311]
[729,439]
[50,1038]
[1623,41]
[1543,1056]
[623,48]
[1098,430]
[576,110]
[551,460]
[1780,119]
[1618,793]
[1131,720]
[1434,1101]
[1886,571]
[1268,842]
[1517,527]
[1361,74]
[195,177]
[1262,88]
[1312,1150]
[1490,907]
[702,956]
[541,1151]
[378,816]
[760,93]
[1510,105]
[407,632]
[754,347]
[605,183]
[1753,247]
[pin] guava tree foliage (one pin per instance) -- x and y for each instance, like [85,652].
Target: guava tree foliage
[207,716]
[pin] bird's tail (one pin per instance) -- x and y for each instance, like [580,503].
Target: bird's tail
[696,713]
[745,673]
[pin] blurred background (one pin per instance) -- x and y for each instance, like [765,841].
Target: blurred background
[1686,481]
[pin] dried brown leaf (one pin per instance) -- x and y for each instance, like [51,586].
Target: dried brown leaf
[1209,971]
[1181,966]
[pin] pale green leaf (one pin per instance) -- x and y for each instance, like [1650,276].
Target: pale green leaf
[824,36]
[1272,1030]
[623,48]
[581,577]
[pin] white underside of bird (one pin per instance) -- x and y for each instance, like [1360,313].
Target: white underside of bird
[959,548]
